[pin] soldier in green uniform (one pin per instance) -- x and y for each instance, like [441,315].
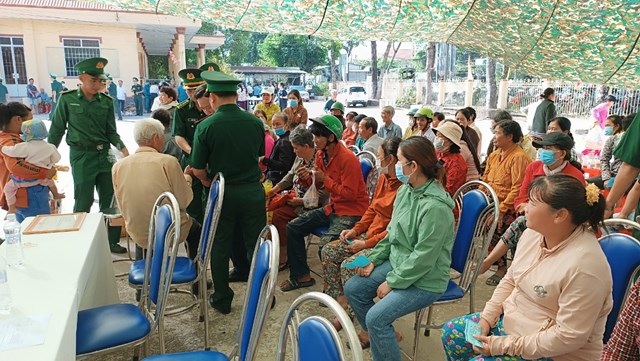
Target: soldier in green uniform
[187,115]
[230,142]
[88,116]
[56,91]
[136,89]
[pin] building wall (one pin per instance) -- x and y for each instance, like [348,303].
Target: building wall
[44,51]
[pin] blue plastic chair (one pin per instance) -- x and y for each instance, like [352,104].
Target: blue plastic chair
[257,302]
[187,271]
[315,338]
[623,254]
[108,328]
[478,219]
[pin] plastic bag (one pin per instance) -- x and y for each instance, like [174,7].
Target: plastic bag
[595,139]
[310,198]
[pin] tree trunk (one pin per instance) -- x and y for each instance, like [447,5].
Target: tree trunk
[492,88]
[333,70]
[385,57]
[374,69]
[431,59]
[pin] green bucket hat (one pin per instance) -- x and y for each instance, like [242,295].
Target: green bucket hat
[93,66]
[339,106]
[191,78]
[210,67]
[424,112]
[218,82]
[330,122]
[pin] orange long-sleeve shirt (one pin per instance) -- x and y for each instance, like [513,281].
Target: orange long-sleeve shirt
[375,220]
[349,136]
[505,173]
[17,167]
[347,191]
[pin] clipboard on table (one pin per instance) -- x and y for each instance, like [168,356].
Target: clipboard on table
[53,223]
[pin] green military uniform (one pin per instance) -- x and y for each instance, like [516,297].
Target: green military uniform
[210,67]
[628,151]
[185,118]
[91,129]
[56,86]
[230,142]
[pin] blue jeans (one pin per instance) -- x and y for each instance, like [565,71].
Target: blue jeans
[377,318]
[303,226]
[38,198]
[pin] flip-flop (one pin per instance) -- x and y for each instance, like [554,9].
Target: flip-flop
[494,280]
[290,285]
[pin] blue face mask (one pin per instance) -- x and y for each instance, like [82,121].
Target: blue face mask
[292,103]
[546,156]
[608,130]
[279,131]
[401,177]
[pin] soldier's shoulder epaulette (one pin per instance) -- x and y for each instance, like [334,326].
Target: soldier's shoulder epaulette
[68,91]
[107,95]
[183,104]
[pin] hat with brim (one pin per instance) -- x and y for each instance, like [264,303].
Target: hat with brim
[52,75]
[93,67]
[413,111]
[330,122]
[218,82]
[267,90]
[451,131]
[191,78]
[558,139]
[338,106]
[210,67]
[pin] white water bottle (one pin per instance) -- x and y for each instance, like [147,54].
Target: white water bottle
[12,230]
[5,293]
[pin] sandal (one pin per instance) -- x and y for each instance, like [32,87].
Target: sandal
[493,280]
[283,266]
[290,285]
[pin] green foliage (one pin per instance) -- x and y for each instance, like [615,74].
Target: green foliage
[321,89]
[158,67]
[407,99]
[293,50]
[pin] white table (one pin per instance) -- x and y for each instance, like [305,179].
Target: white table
[64,273]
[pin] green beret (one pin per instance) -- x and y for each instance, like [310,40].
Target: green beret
[218,82]
[93,66]
[191,78]
[210,67]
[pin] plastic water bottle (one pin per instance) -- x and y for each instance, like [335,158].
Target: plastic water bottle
[5,293]
[15,256]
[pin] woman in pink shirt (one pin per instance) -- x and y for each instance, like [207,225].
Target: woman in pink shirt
[554,300]
[601,111]
[269,137]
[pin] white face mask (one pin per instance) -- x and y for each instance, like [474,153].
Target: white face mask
[381,169]
[439,144]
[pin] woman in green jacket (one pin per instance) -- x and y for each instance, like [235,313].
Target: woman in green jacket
[409,268]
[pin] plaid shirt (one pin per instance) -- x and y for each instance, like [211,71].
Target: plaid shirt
[624,343]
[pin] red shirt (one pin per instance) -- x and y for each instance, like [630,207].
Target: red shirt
[535,170]
[349,136]
[376,219]
[347,191]
[455,171]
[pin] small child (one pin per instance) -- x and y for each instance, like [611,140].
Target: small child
[36,151]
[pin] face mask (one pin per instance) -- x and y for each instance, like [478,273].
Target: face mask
[381,169]
[608,130]
[401,177]
[279,131]
[439,144]
[292,103]
[546,156]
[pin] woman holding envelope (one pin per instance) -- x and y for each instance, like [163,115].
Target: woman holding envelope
[409,267]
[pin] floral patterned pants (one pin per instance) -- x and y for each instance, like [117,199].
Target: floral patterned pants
[334,255]
[458,349]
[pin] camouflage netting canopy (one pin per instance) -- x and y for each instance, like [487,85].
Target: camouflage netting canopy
[584,40]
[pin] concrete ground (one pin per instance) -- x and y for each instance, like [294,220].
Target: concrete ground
[184,332]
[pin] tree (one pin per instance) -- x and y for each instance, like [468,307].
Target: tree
[431,60]
[349,45]
[299,51]
[492,89]
[334,50]
[374,68]
[158,67]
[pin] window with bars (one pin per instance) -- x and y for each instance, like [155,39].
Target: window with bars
[77,50]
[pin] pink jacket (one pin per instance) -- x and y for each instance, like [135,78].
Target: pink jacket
[600,113]
[555,301]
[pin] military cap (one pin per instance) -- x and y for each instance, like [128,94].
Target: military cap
[191,78]
[93,66]
[52,75]
[218,82]
[210,67]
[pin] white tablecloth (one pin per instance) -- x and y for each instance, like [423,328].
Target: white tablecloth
[64,273]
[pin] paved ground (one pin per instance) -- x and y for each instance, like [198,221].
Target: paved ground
[185,333]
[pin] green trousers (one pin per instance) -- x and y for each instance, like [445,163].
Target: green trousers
[197,206]
[92,169]
[242,218]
